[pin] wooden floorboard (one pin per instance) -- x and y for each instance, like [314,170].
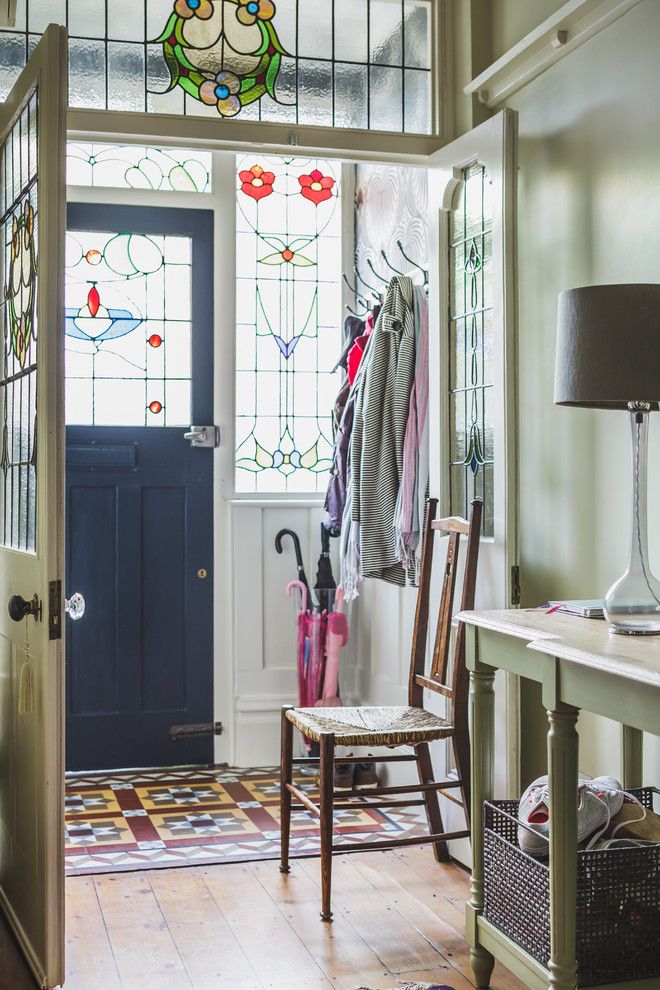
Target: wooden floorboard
[398,918]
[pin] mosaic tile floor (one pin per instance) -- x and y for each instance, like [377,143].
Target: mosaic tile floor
[157,819]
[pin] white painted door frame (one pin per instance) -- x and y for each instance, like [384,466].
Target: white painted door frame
[494,145]
[496,136]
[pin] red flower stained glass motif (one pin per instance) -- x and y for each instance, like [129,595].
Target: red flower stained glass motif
[256,183]
[155,407]
[316,186]
[155,340]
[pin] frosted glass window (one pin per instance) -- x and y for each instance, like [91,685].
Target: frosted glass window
[133,166]
[338,63]
[471,372]
[288,330]
[128,329]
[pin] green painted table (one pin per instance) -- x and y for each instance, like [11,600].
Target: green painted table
[579,664]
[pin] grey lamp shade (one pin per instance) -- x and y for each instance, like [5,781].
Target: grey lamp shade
[608,346]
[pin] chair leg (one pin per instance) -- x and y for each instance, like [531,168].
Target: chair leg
[286,777]
[433,816]
[326,785]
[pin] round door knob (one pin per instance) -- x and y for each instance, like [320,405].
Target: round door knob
[18,607]
[75,606]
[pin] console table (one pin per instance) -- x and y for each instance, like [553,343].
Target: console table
[579,664]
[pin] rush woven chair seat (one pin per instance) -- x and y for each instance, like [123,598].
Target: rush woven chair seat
[394,726]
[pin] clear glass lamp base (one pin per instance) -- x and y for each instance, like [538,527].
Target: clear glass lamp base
[632,605]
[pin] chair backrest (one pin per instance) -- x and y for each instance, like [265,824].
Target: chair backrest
[448,679]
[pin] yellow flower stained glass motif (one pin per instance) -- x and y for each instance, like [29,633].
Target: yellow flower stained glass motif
[228,56]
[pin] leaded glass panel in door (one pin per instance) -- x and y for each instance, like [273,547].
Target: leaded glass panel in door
[19,218]
[471,346]
[128,329]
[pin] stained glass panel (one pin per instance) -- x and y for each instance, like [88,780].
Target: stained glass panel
[133,166]
[339,63]
[288,332]
[471,382]
[19,222]
[128,329]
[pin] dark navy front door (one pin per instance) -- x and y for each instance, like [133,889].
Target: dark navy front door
[139,372]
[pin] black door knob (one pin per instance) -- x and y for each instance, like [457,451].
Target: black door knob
[18,607]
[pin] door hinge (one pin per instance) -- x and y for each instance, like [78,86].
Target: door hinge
[515,584]
[189,731]
[54,610]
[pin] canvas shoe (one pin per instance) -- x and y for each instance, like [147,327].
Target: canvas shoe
[598,801]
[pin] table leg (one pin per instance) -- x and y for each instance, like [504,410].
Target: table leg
[482,700]
[563,774]
[633,758]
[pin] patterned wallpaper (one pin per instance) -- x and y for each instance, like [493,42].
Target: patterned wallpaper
[391,205]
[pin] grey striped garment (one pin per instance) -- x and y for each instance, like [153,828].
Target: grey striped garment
[379,427]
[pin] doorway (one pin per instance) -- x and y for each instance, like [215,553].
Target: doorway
[139,372]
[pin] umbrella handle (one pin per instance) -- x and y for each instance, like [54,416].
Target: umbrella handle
[296,545]
[303,593]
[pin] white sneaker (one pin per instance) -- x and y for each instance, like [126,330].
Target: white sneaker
[598,801]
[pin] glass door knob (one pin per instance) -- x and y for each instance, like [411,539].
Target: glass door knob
[75,606]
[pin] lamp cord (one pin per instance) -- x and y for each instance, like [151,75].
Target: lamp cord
[638,424]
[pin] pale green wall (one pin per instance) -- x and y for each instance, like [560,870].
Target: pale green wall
[511,20]
[589,212]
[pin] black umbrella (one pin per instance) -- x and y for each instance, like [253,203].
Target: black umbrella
[302,577]
[325,582]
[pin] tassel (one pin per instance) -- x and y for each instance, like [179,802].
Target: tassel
[26,689]
[26,680]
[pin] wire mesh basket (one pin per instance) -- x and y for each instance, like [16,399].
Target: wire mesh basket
[618,900]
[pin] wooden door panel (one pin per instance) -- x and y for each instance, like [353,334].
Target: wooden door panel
[140,524]
[92,515]
[32,203]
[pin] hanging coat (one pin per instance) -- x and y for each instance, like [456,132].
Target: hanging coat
[381,415]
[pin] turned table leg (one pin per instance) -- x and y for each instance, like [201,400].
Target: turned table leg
[563,774]
[482,699]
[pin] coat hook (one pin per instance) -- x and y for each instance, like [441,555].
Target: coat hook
[359,277]
[389,263]
[385,281]
[424,271]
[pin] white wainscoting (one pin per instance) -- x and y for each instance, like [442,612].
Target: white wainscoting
[264,621]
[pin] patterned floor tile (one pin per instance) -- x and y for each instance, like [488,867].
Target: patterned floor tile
[164,818]
[173,796]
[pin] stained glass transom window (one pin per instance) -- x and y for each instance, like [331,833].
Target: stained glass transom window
[19,221]
[337,63]
[133,166]
[471,346]
[288,333]
[128,329]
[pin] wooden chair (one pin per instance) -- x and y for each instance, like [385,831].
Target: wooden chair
[396,726]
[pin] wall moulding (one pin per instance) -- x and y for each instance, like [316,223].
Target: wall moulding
[573,24]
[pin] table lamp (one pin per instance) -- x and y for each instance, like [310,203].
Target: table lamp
[608,357]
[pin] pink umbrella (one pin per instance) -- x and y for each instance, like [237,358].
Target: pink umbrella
[302,646]
[336,640]
[312,628]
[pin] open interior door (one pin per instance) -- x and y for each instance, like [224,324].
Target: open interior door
[32,214]
[472,355]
